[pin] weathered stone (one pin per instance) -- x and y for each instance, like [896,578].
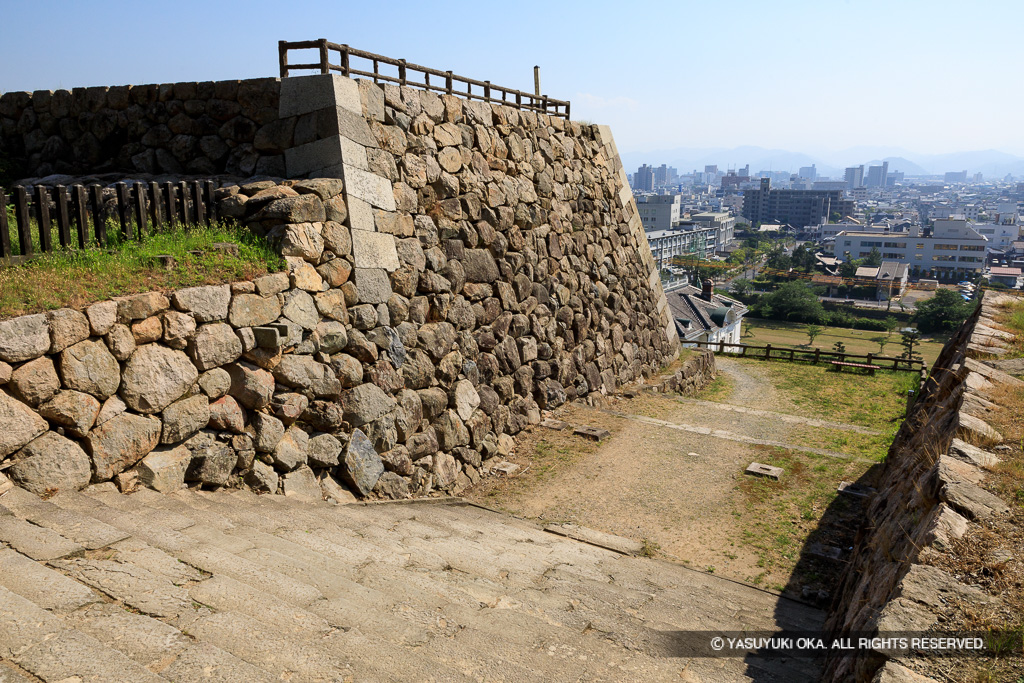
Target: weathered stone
[90,368]
[147,331]
[24,338]
[335,272]
[164,469]
[252,310]
[366,403]
[300,308]
[111,408]
[206,304]
[141,306]
[275,283]
[67,327]
[331,304]
[445,469]
[390,343]
[121,342]
[215,383]
[155,377]
[75,411]
[332,335]
[120,442]
[372,285]
[212,465]
[214,345]
[337,238]
[304,276]
[361,467]
[302,484]
[226,415]
[5,372]
[302,240]
[306,208]
[251,385]
[307,374]
[348,369]
[437,339]
[184,418]
[289,407]
[262,477]
[51,463]
[391,485]
[324,451]
[267,432]
[178,329]
[466,399]
[102,317]
[36,381]
[292,450]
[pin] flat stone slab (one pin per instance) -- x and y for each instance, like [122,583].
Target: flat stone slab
[142,639]
[829,552]
[36,542]
[90,533]
[74,656]
[851,488]
[557,425]
[595,433]
[206,662]
[45,587]
[619,544]
[758,469]
[147,592]
[505,467]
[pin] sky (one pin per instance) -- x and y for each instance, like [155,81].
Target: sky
[811,76]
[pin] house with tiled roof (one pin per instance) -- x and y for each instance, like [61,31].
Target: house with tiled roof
[702,315]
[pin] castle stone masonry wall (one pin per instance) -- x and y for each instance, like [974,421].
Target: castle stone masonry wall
[454,268]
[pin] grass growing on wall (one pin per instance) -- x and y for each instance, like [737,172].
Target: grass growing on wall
[75,278]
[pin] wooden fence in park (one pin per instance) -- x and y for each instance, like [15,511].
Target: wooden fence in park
[79,214]
[814,356]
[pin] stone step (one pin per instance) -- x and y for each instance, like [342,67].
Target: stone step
[137,504]
[73,655]
[136,525]
[141,554]
[45,587]
[10,673]
[224,594]
[146,641]
[197,513]
[213,536]
[37,542]
[133,585]
[88,532]
[206,662]
[216,561]
[23,624]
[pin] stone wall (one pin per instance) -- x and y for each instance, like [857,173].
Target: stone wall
[460,268]
[930,496]
[196,128]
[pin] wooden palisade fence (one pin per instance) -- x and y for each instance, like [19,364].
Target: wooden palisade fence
[444,81]
[71,211]
[788,353]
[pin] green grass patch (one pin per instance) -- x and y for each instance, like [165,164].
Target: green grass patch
[74,278]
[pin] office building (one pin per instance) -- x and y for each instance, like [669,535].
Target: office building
[660,211]
[877,175]
[643,179]
[798,208]
[952,250]
[955,177]
[723,224]
[809,172]
[854,177]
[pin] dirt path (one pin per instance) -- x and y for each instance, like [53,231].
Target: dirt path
[670,472]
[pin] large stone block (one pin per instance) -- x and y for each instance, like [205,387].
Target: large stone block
[51,463]
[374,250]
[372,189]
[35,381]
[361,467]
[313,156]
[19,424]
[75,411]
[67,327]
[24,338]
[305,94]
[207,304]
[214,345]
[121,442]
[372,285]
[156,376]
[164,469]
[184,418]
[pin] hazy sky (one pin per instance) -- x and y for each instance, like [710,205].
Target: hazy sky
[929,76]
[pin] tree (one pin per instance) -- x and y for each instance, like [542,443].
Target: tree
[791,301]
[848,268]
[891,323]
[812,332]
[881,341]
[742,286]
[944,311]
[910,340]
[873,259]
[839,347]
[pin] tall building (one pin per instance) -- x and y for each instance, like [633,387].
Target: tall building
[877,175]
[952,250]
[955,177]
[643,179]
[799,208]
[854,177]
[660,211]
[713,169]
[809,172]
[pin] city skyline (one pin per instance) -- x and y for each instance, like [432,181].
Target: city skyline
[933,77]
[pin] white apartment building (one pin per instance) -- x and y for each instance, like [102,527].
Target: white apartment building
[698,241]
[953,250]
[659,211]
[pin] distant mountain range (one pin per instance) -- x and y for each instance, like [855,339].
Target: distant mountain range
[991,163]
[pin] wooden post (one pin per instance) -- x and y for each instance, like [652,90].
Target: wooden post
[122,209]
[401,72]
[63,216]
[155,206]
[211,205]
[282,57]
[21,216]
[768,352]
[171,213]
[344,60]
[5,236]
[448,82]
[197,202]
[870,355]
[99,224]
[81,214]
[536,81]
[487,91]
[140,211]
[792,355]
[43,218]
[817,355]
[743,350]
[183,192]
[721,345]
[324,57]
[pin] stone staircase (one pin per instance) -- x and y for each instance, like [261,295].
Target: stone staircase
[231,586]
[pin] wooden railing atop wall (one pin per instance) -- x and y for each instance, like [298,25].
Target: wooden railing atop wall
[788,353]
[71,211]
[445,81]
